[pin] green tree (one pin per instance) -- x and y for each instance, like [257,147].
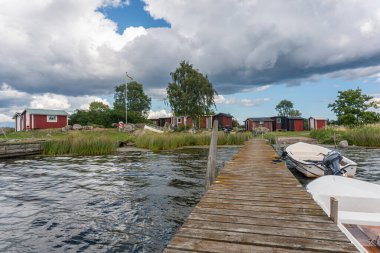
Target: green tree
[98,114]
[295,113]
[137,101]
[190,93]
[351,108]
[284,107]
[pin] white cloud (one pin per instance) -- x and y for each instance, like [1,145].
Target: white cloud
[257,89]
[22,100]
[50,101]
[157,93]
[5,118]
[7,92]
[67,54]
[245,102]
[159,114]
[79,52]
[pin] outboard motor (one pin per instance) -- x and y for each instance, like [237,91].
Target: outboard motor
[331,162]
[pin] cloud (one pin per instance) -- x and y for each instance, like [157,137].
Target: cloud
[17,101]
[159,114]
[245,102]
[69,48]
[257,89]
[157,93]
[5,118]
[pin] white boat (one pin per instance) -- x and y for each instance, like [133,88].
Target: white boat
[358,213]
[153,129]
[310,160]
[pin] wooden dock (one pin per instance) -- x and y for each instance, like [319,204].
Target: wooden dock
[19,149]
[257,205]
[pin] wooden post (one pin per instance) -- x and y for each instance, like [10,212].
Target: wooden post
[211,163]
[334,209]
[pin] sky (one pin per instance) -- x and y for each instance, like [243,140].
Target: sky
[66,54]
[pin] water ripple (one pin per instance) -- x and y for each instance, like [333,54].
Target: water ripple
[131,202]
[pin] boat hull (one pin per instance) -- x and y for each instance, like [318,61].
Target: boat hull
[307,159]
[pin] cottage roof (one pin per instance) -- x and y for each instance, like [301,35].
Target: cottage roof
[261,119]
[46,112]
[295,118]
[224,114]
[17,114]
[317,118]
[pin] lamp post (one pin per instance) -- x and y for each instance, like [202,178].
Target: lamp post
[126,92]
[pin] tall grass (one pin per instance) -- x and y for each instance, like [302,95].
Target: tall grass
[326,136]
[167,141]
[367,135]
[80,146]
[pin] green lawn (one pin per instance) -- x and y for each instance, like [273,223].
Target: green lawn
[53,134]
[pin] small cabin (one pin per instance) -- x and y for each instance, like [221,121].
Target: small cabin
[317,123]
[280,123]
[295,124]
[206,122]
[252,123]
[31,119]
[224,120]
[182,121]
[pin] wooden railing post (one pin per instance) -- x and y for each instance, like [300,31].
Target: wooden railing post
[334,209]
[211,162]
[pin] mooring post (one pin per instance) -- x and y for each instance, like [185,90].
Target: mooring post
[211,162]
[334,209]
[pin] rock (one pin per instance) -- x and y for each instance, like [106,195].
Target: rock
[77,127]
[343,144]
[129,128]
[88,128]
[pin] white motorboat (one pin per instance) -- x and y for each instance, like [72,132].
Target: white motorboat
[358,214]
[315,161]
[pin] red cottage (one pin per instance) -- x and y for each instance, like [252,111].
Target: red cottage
[295,124]
[253,123]
[181,121]
[40,119]
[317,123]
[224,120]
[280,123]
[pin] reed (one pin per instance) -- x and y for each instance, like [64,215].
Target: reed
[80,146]
[368,135]
[167,141]
[327,135]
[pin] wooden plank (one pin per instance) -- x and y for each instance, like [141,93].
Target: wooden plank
[275,209]
[267,202]
[265,198]
[259,214]
[199,245]
[263,221]
[303,244]
[267,230]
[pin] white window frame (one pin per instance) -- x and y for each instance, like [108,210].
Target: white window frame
[278,120]
[52,120]
[261,123]
[179,120]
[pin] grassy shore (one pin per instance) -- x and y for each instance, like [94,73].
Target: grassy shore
[104,141]
[166,141]
[80,146]
[367,135]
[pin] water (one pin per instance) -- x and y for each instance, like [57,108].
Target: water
[131,202]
